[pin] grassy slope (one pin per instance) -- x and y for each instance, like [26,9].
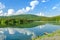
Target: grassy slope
[50,36]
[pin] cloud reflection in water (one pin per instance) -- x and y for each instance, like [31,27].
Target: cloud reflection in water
[13,31]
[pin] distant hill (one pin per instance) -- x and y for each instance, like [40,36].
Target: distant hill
[27,20]
[32,17]
[24,16]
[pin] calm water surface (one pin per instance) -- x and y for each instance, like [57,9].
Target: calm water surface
[26,33]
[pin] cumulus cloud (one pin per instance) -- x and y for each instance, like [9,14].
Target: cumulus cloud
[2,6]
[27,9]
[10,12]
[40,14]
[33,4]
[20,11]
[1,12]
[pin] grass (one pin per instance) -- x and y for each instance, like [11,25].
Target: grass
[50,35]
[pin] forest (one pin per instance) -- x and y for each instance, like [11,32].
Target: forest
[26,20]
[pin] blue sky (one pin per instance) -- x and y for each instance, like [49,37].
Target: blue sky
[37,7]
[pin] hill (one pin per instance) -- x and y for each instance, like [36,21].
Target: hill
[21,21]
[26,20]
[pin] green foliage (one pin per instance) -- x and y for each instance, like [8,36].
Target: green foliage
[27,20]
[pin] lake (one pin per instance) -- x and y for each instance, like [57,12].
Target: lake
[26,33]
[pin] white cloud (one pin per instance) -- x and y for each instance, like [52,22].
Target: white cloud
[20,11]
[1,12]
[33,4]
[23,11]
[40,14]
[27,9]
[2,6]
[44,0]
[54,7]
[10,12]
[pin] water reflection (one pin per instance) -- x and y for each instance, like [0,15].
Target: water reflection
[41,26]
[16,34]
[26,33]
[2,36]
